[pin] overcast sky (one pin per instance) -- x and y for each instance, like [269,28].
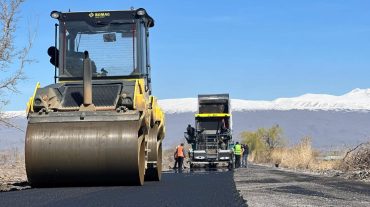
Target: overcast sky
[258,50]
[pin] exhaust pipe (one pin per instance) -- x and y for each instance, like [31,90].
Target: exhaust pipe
[87,81]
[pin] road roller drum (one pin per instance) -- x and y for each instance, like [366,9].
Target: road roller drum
[85,153]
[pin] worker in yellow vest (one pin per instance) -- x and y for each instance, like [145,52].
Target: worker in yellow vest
[237,153]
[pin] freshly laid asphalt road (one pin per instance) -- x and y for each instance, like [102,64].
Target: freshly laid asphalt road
[187,189]
[260,186]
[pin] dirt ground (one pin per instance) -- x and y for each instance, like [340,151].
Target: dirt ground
[12,172]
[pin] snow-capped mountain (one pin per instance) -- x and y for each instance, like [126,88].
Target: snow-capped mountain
[329,120]
[356,100]
[12,114]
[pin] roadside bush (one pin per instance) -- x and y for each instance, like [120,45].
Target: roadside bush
[268,146]
[262,142]
[357,158]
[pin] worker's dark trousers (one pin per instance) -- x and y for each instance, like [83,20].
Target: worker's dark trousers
[245,160]
[237,161]
[180,160]
[176,163]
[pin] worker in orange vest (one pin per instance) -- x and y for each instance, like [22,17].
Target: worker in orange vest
[180,154]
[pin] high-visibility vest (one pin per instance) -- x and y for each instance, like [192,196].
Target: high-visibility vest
[237,149]
[180,151]
[175,155]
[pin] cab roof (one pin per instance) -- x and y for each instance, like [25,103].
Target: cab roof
[107,16]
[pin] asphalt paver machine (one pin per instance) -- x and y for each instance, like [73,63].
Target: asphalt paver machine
[211,139]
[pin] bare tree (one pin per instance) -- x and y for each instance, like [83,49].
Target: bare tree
[12,59]
[273,137]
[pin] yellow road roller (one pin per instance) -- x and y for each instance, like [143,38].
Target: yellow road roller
[98,124]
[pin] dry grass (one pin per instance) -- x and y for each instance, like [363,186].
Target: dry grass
[167,159]
[300,156]
[11,156]
[12,168]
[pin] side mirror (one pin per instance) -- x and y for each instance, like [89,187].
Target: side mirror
[110,37]
[54,55]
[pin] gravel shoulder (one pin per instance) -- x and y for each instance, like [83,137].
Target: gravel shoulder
[267,186]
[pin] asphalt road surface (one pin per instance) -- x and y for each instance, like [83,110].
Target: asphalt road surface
[187,189]
[265,186]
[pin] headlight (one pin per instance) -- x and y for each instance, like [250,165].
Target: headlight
[55,14]
[37,101]
[140,12]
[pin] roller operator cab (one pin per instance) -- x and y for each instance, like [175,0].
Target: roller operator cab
[211,139]
[99,123]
